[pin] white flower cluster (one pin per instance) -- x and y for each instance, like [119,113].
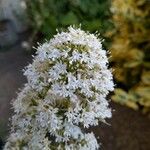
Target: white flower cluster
[68,82]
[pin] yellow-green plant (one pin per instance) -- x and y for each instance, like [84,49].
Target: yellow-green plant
[131,52]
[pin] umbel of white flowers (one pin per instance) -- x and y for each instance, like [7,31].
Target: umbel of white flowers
[66,91]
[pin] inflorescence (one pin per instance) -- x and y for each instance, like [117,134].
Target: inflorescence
[66,91]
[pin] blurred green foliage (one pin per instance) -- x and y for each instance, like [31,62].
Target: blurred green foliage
[47,15]
[130,51]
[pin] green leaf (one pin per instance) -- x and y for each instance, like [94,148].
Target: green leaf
[132,64]
[69,18]
[146,77]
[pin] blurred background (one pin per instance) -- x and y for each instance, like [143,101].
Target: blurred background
[125,26]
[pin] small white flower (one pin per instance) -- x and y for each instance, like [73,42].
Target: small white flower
[68,82]
[56,71]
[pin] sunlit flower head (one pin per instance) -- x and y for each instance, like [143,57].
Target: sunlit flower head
[67,86]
